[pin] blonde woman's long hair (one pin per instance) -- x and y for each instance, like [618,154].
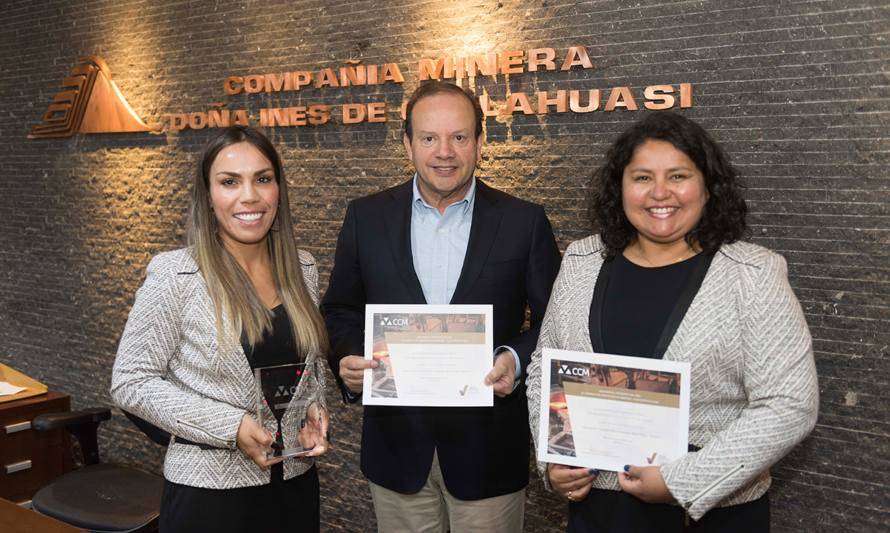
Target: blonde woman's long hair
[230,289]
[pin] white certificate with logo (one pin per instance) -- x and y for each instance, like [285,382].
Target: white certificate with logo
[606,411]
[428,355]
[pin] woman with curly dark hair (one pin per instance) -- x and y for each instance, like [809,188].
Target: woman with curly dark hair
[668,277]
[722,221]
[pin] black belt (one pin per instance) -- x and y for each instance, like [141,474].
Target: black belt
[180,440]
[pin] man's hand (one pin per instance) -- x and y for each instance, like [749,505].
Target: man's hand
[352,372]
[646,483]
[254,441]
[314,433]
[503,374]
[572,482]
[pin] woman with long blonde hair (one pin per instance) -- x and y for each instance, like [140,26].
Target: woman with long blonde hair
[240,297]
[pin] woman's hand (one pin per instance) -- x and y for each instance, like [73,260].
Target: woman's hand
[646,483]
[254,441]
[314,431]
[572,482]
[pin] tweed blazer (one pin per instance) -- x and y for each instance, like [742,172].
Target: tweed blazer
[754,392]
[171,371]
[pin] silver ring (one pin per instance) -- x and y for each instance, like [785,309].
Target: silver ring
[569,496]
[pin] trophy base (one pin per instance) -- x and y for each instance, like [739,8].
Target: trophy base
[288,452]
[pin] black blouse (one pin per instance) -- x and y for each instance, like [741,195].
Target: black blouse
[636,310]
[277,347]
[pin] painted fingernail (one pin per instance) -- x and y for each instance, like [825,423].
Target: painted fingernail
[627,468]
[593,471]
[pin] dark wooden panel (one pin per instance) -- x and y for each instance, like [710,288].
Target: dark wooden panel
[49,452]
[15,519]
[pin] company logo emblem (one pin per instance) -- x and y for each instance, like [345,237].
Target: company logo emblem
[89,102]
[389,321]
[581,371]
[284,390]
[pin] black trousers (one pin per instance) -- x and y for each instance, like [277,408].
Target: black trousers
[282,506]
[613,511]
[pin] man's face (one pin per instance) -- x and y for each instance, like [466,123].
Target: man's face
[443,147]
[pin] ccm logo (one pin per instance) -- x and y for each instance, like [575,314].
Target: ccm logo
[574,370]
[283,390]
[387,321]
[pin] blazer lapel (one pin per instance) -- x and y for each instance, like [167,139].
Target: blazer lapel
[699,313]
[586,267]
[595,316]
[397,220]
[483,230]
[681,307]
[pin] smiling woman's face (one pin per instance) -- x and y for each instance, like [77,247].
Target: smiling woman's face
[663,192]
[243,194]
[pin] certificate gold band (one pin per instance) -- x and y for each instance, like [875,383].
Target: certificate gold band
[424,337]
[623,395]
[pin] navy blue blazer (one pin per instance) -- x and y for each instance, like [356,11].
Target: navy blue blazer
[511,262]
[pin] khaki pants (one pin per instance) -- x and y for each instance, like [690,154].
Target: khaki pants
[435,510]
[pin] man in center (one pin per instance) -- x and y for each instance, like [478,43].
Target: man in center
[444,237]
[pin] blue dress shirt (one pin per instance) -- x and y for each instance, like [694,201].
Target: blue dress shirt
[439,243]
[438,247]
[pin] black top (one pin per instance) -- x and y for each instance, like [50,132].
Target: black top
[639,301]
[636,310]
[277,347]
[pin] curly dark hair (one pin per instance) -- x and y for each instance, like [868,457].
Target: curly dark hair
[723,220]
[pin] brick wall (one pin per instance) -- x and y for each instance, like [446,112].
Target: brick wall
[797,91]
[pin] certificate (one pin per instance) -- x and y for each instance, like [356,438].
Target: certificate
[428,355]
[606,411]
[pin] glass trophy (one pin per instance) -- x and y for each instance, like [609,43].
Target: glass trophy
[281,389]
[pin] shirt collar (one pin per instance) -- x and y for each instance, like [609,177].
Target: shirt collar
[465,205]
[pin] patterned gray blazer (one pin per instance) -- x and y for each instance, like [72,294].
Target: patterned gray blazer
[754,393]
[170,371]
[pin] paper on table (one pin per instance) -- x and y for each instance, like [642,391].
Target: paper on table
[14,378]
[7,389]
